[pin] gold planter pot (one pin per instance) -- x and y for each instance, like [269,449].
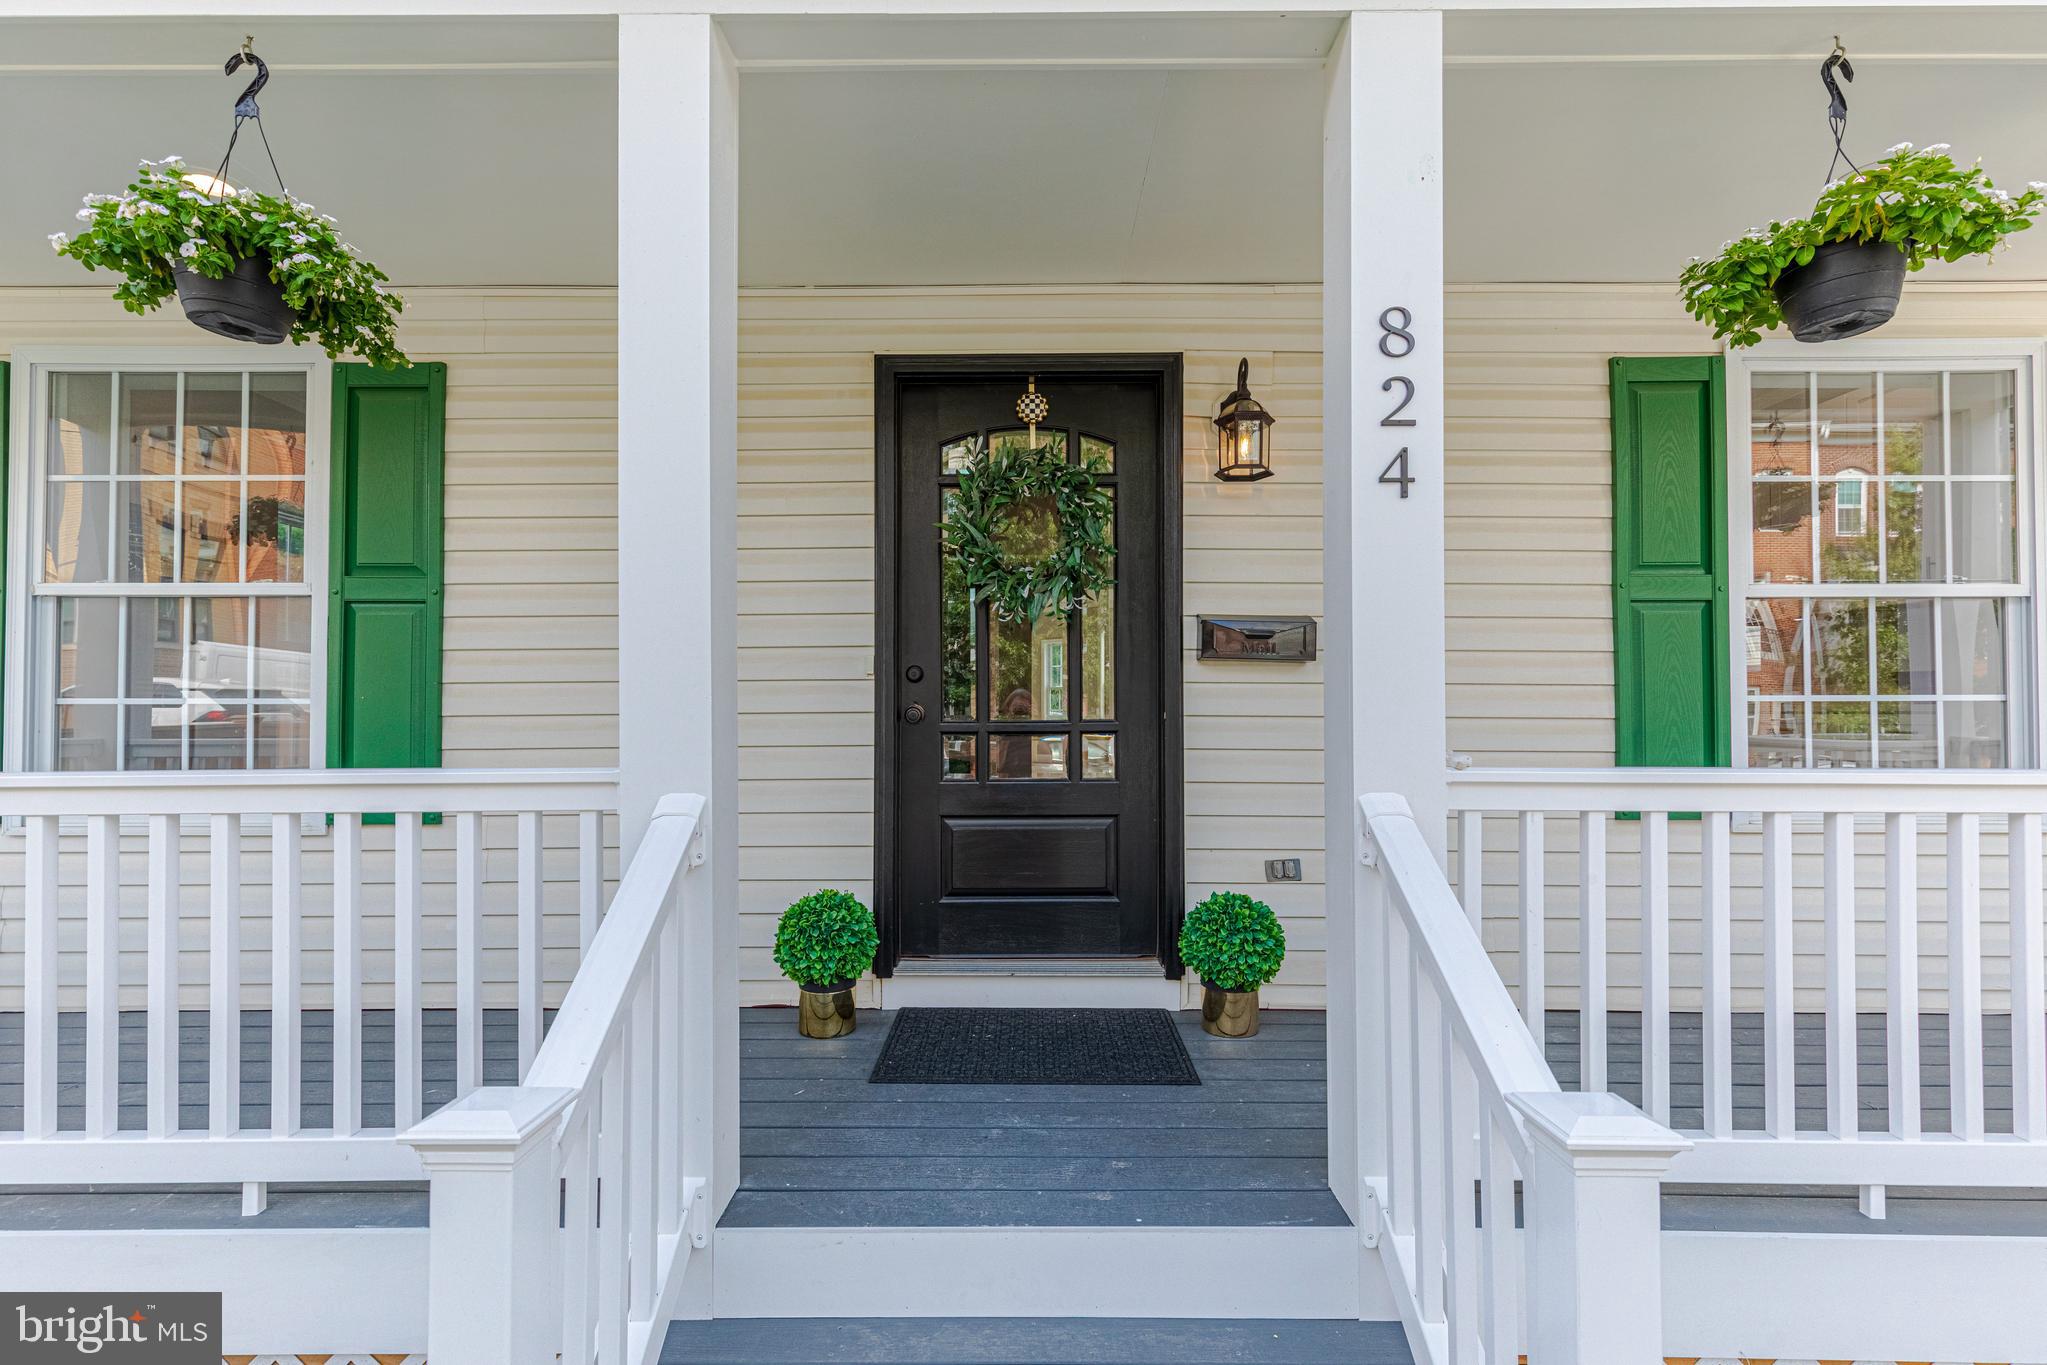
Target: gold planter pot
[826,1011]
[1228,1014]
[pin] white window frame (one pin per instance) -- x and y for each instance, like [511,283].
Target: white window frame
[2026,663]
[25,507]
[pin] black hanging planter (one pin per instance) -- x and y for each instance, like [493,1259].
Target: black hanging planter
[245,306]
[1848,288]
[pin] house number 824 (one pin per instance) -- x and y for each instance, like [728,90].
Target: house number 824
[1395,342]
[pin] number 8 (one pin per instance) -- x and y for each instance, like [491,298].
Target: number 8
[1395,330]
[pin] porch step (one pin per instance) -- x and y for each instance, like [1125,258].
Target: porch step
[1032,1341]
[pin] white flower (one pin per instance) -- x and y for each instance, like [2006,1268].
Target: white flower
[301,258]
[2039,185]
[1901,147]
[1938,147]
[299,239]
[260,217]
[84,215]
[189,250]
[58,241]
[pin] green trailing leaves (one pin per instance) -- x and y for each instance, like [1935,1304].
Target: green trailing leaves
[1917,199]
[996,489]
[165,221]
[826,938]
[1234,942]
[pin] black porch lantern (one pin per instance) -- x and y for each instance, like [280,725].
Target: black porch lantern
[1243,427]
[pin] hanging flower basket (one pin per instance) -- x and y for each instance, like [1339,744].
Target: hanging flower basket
[253,267]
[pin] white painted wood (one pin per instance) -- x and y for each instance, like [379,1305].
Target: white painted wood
[678,344]
[102,976]
[224,976]
[1431,1117]
[1471,865]
[162,1066]
[287,997]
[407,1062]
[1462,1304]
[589,875]
[468,952]
[1901,979]
[579,1226]
[1656,965]
[255,1198]
[1965,974]
[1534,951]
[1843,1089]
[2028,989]
[1401,1095]
[347,970]
[39,981]
[643,1138]
[1869,1202]
[1779,1115]
[1717,975]
[1850,791]
[1499,1258]
[1591,949]
[530,978]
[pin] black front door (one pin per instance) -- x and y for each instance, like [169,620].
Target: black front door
[1030,767]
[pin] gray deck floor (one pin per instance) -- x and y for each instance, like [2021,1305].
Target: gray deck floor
[1033,1341]
[820,1147]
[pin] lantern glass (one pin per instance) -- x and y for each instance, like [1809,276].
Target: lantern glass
[1241,452]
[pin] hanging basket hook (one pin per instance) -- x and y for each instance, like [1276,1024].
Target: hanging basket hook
[1837,104]
[245,103]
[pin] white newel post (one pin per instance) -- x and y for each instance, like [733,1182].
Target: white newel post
[1592,1210]
[1383,473]
[494,1237]
[678,342]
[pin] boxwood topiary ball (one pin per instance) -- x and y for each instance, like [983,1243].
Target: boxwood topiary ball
[826,940]
[1234,942]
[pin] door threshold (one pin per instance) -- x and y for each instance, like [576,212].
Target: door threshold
[1031,966]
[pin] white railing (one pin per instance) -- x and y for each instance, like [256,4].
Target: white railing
[1470,1109]
[1783,895]
[564,1210]
[81,839]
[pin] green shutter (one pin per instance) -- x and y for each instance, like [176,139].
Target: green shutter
[5,390]
[384,596]
[1671,704]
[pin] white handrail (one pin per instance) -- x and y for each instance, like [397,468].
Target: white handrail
[1846,791]
[335,791]
[565,1209]
[1470,1109]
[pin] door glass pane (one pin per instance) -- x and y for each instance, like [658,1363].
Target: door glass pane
[1912,426]
[1027,756]
[1098,758]
[1780,440]
[1098,645]
[959,753]
[1905,735]
[1783,531]
[1029,666]
[81,420]
[1972,649]
[273,531]
[957,668]
[1982,426]
[149,416]
[277,424]
[1986,528]
[213,423]
[1840,647]
[1096,451]
[1975,734]
[1847,416]
[1841,734]
[1776,734]
[1914,532]
[1848,547]
[1904,648]
[1008,440]
[75,533]
[954,456]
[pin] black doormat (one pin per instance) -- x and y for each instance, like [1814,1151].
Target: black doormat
[1033,1047]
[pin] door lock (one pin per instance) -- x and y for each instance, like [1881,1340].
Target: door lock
[913,713]
[915,673]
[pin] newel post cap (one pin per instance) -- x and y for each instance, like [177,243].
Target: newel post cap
[491,1125]
[1597,1131]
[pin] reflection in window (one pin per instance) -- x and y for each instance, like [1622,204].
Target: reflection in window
[1098,758]
[1027,756]
[959,757]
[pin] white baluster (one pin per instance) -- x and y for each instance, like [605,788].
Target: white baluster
[579,1233]
[1901,985]
[1471,866]
[589,874]
[2028,990]
[224,976]
[669,1114]
[1591,950]
[1400,1094]
[1843,1091]
[1460,1187]
[347,974]
[1656,964]
[614,1195]
[287,1000]
[102,975]
[1499,1248]
[1533,994]
[1716,909]
[1429,1120]
[530,973]
[405,969]
[39,981]
[1965,975]
[1779,1078]
[643,1211]
[164,888]
[468,952]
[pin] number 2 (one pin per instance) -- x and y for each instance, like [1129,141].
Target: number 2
[1403,478]
[1393,418]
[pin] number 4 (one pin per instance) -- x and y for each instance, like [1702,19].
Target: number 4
[1403,478]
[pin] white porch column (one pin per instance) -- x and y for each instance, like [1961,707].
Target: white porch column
[1382,516]
[678,438]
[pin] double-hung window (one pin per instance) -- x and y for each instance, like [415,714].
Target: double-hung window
[167,553]
[1885,557]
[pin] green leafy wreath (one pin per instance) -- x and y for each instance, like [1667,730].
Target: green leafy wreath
[992,489]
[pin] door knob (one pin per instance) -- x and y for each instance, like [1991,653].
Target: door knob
[913,713]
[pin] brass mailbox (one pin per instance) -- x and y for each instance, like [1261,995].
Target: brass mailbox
[1270,639]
